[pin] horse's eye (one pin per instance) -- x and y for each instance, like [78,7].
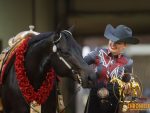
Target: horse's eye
[66,54]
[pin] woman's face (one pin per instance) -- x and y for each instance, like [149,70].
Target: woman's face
[116,48]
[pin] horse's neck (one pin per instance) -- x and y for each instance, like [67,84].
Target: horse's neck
[37,61]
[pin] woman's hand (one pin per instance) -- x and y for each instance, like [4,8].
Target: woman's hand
[127,89]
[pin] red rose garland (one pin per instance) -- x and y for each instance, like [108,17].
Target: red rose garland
[24,84]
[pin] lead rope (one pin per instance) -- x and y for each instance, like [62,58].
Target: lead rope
[70,100]
[33,109]
[59,100]
[87,106]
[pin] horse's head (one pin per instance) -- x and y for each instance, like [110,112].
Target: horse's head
[60,51]
[69,60]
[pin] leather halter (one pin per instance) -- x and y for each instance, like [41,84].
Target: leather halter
[63,60]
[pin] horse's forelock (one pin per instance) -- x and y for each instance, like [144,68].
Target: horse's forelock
[72,42]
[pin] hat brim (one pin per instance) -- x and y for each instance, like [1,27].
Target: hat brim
[109,35]
[129,40]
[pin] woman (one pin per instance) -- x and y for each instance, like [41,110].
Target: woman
[110,62]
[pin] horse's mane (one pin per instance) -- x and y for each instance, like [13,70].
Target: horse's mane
[37,38]
[33,40]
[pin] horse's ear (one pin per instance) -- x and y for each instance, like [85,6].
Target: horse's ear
[71,29]
[58,29]
[57,34]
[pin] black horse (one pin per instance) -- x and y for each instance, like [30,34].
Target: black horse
[36,63]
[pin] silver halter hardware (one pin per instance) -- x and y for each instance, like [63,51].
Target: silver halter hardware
[65,62]
[54,48]
[54,42]
[68,31]
[68,65]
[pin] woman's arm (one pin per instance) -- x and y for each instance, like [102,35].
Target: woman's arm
[127,71]
[91,57]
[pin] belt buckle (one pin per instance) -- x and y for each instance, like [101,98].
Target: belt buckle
[103,93]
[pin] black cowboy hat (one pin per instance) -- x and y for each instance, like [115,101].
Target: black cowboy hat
[121,33]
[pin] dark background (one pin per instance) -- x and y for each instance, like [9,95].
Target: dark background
[89,18]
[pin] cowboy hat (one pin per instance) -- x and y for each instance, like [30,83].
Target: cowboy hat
[121,33]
